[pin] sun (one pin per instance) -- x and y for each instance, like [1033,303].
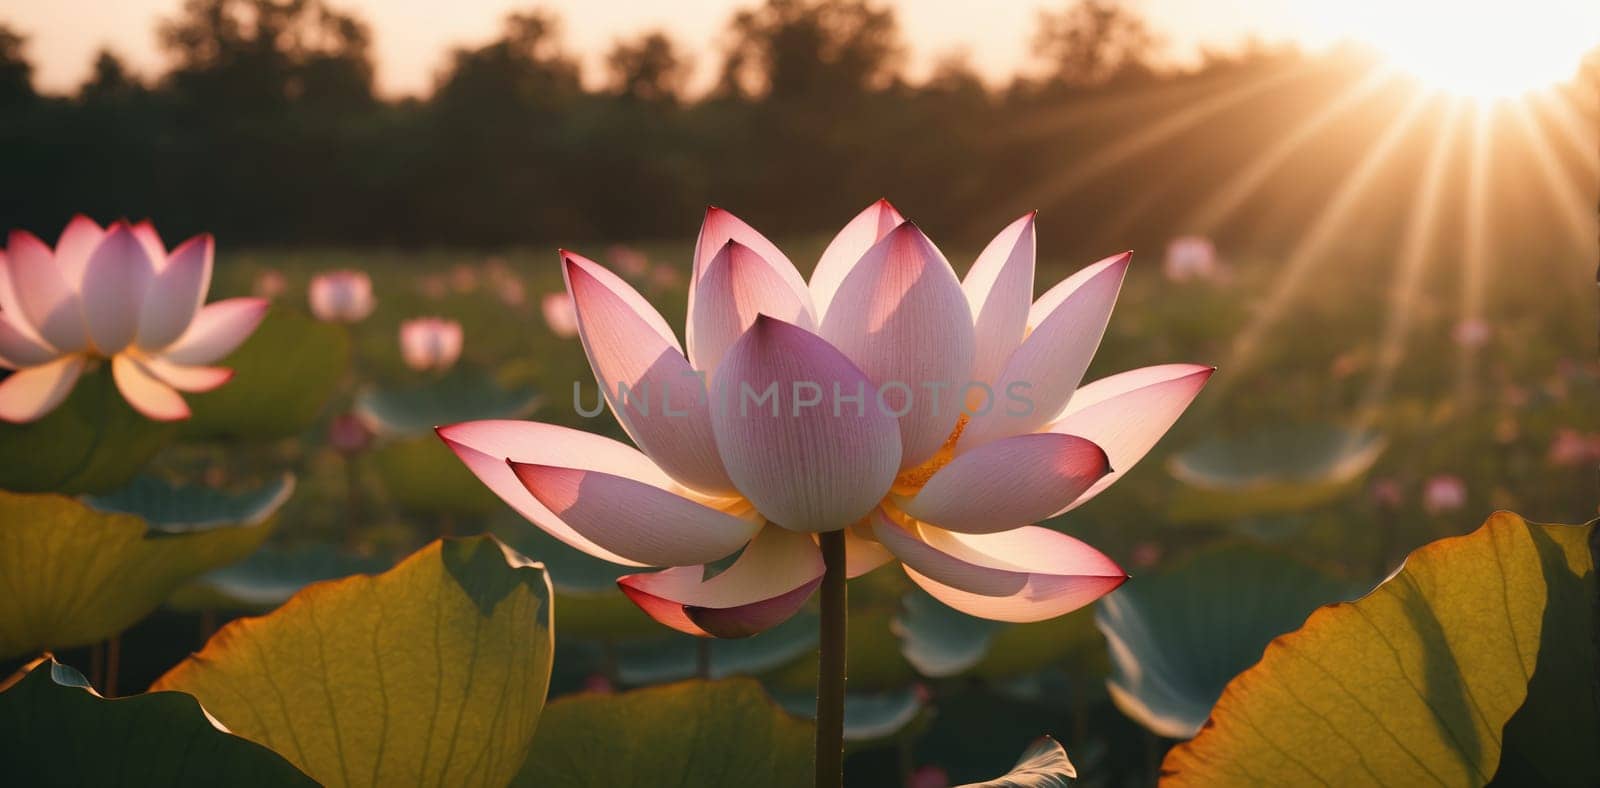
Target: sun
[1483,50]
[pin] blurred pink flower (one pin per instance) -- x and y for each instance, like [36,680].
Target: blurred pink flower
[559,314]
[269,284]
[463,278]
[665,277]
[430,343]
[1146,554]
[113,293]
[1472,332]
[348,434]
[598,683]
[630,261]
[511,291]
[928,777]
[949,494]
[1444,493]
[1190,257]
[433,287]
[1571,447]
[342,296]
[1387,494]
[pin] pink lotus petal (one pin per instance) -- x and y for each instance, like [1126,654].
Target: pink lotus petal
[1126,414]
[634,519]
[1009,483]
[1067,323]
[770,581]
[115,281]
[195,379]
[43,295]
[217,330]
[901,317]
[73,248]
[29,394]
[736,285]
[665,409]
[146,393]
[1023,575]
[845,250]
[176,293]
[484,446]
[999,290]
[19,348]
[151,242]
[716,231]
[804,463]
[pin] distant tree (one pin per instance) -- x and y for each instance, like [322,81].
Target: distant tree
[816,49]
[16,75]
[1092,41]
[110,81]
[525,68]
[954,76]
[263,55]
[648,69]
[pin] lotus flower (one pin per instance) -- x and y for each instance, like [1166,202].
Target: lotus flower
[948,491]
[342,296]
[430,343]
[113,293]
[1444,493]
[559,314]
[1190,257]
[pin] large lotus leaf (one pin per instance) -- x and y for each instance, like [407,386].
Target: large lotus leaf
[75,575]
[462,395]
[1414,683]
[874,660]
[178,508]
[423,476]
[720,733]
[1043,765]
[433,673]
[269,576]
[868,716]
[1271,471]
[93,441]
[283,375]
[677,657]
[56,730]
[1178,637]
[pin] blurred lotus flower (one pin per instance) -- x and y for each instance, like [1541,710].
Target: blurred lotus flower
[559,314]
[630,261]
[114,293]
[463,278]
[1146,554]
[1387,494]
[1190,257]
[342,296]
[665,277]
[928,777]
[269,284]
[598,684]
[348,434]
[950,493]
[433,287]
[430,343]
[1444,493]
[1571,447]
[511,291]
[1473,332]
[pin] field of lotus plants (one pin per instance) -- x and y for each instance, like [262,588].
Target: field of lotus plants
[717,510]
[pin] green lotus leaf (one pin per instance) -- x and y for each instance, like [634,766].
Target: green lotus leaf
[1416,682]
[1043,765]
[283,375]
[268,577]
[56,730]
[938,640]
[434,672]
[93,441]
[77,575]
[1271,471]
[464,394]
[868,716]
[423,476]
[1179,636]
[177,508]
[691,733]
[677,657]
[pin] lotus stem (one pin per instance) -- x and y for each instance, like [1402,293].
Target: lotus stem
[831,664]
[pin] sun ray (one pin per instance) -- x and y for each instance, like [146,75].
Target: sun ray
[1557,109]
[1475,252]
[1336,213]
[1571,204]
[1415,246]
[1213,211]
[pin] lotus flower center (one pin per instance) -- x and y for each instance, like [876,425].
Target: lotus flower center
[912,479]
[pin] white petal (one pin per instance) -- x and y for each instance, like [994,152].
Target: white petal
[845,250]
[1009,483]
[29,394]
[115,281]
[999,291]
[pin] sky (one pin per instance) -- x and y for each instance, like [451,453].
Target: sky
[411,37]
